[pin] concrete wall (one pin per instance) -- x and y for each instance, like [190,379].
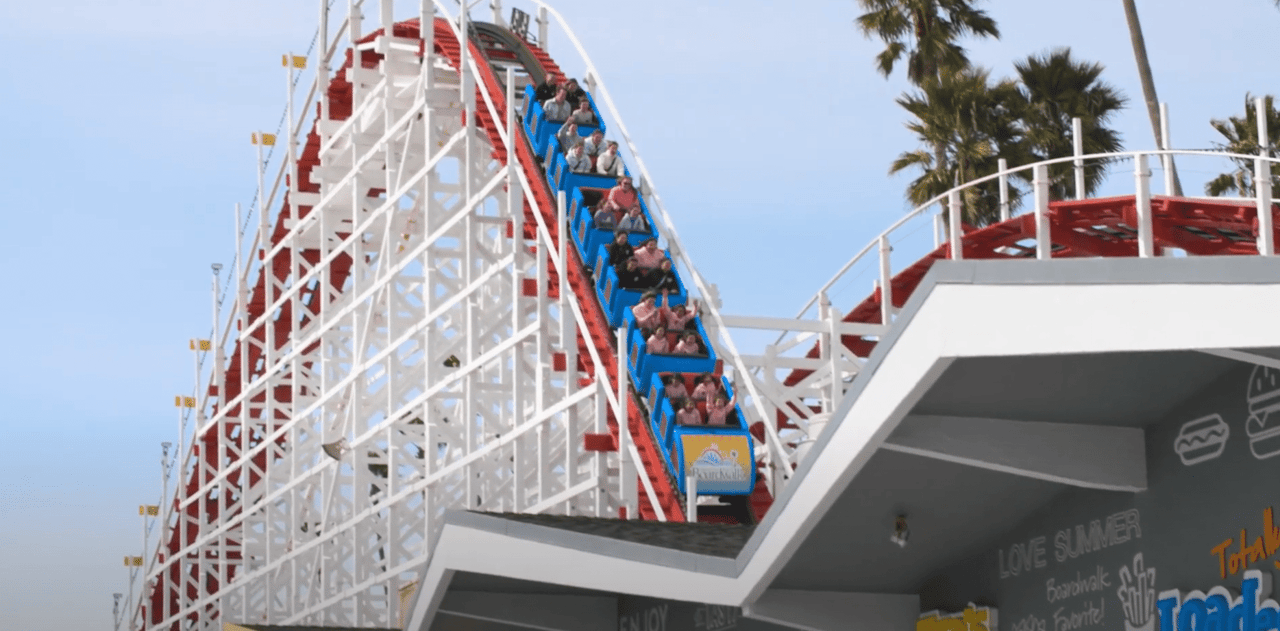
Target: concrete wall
[1041,575]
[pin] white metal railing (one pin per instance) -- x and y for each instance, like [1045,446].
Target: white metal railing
[1142,176]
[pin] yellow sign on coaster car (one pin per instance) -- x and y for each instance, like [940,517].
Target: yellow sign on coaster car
[720,462]
[973,618]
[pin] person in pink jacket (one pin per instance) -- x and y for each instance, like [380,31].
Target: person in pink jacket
[648,256]
[718,411]
[679,317]
[689,414]
[707,389]
[646,312]
[689,345]
[657,343]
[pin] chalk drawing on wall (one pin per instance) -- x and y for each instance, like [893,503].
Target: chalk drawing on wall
[1137,593]
[1263,426]
[1202,439]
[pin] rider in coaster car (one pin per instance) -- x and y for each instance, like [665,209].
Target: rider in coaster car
[557,109]
[657,343]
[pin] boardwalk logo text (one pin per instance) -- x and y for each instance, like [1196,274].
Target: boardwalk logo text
[1218,610]
[719,462]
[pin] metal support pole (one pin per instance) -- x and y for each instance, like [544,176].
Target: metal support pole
[691,498]
[1040,182]
[1166,160]
[1142,199]
[957,233]
[1077,137]
[1003,165]
[886,281]
[627,491]
[543,23]
[1262,184]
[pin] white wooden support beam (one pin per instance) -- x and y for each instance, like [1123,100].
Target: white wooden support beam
[1088,456]
[1044,240]
[1262,184]
[1142,200]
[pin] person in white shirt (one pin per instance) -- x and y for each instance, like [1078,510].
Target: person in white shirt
[579,162]
[594,145]
[568,136]
[584,116]
[608,163]
[558,109]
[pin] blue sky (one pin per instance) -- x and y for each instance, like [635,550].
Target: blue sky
[764,125]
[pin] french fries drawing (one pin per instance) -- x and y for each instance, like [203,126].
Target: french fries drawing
[1138,595]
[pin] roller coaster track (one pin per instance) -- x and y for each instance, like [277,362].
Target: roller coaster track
[210,447]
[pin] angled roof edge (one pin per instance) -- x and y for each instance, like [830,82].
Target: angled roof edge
[1227,271]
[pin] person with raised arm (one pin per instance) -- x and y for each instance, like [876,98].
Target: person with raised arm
[718,411]
[568,136]
[680,317]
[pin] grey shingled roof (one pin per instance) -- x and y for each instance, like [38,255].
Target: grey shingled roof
[699,538]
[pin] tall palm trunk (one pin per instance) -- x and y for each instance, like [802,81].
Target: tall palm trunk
[1148,84]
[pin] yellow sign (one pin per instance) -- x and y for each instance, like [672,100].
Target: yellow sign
[149,510]
[973,618]
[184,402]
[720,462]
[267,139]
[298,62]
[133,561]
[203,345]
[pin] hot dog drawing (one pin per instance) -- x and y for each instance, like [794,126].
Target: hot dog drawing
[1263,426]
[1202,439]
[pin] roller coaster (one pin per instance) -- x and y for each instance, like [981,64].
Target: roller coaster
[429,319]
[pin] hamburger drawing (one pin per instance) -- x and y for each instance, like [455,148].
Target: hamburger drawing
[1263,426]
[1202,439]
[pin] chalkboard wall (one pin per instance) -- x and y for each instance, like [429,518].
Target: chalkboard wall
[1098,560]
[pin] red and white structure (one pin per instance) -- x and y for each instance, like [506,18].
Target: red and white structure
[410,331]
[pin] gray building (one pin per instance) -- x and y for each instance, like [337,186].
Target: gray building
[1074,444]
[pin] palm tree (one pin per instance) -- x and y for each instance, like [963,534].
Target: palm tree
[1148,83]
[1241,133]
[966,123]
[925,31]
[1056,89]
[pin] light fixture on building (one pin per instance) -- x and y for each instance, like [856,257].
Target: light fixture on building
[452,362]
[900,531]
[336,449]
